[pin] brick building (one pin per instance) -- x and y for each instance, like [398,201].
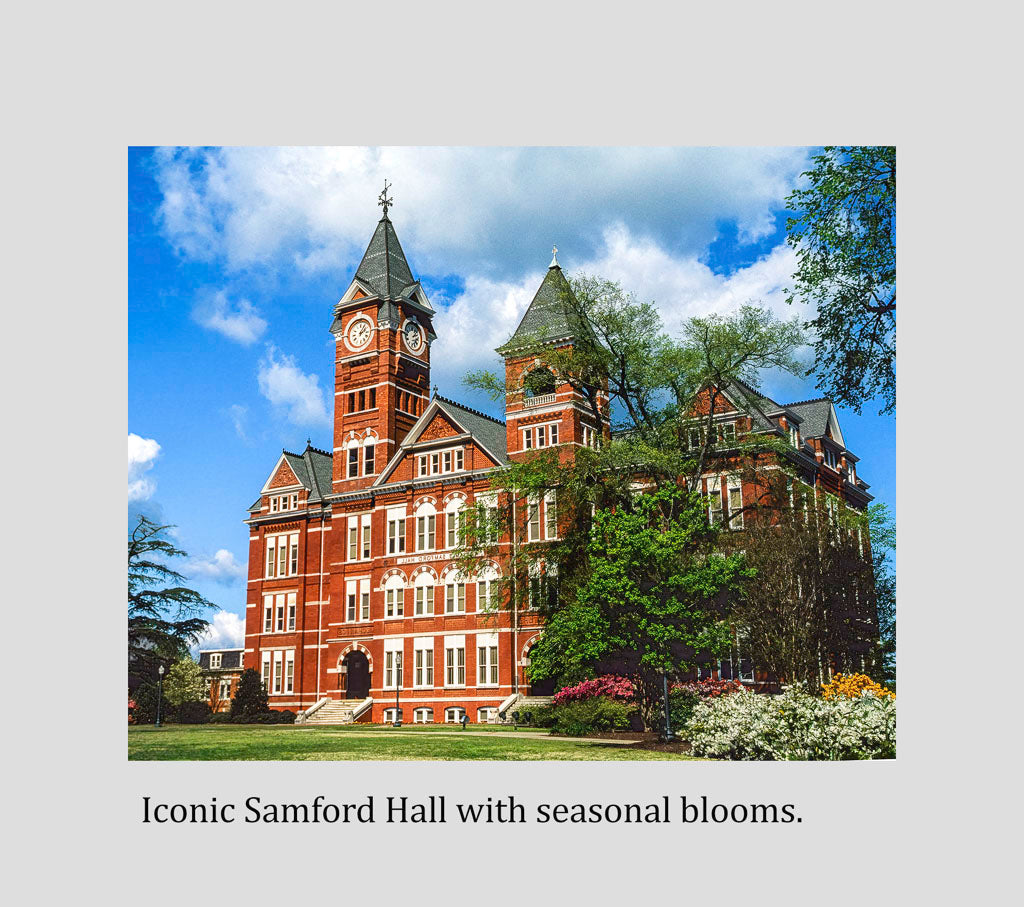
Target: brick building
[352,592]
[221,669]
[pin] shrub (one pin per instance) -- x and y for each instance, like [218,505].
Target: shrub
[221,718]
[794,725]
[599,713]
[146,697]
[250,698]
[285,716]
[539,716]
[610,686]
[194,713]
[852,686]
[708,689]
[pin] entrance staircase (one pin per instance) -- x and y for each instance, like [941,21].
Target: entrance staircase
[520,703]
[339,711]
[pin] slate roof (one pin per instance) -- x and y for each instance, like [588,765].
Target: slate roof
[384,267]
[550,315]
[231,659]
[312,468]
[814,414]
[490,431]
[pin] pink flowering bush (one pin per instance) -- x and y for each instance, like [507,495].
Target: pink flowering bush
[609,685]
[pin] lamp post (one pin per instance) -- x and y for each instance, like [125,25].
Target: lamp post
[398,688]
[159,694]
[669,736]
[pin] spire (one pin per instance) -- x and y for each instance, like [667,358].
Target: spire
[384,267]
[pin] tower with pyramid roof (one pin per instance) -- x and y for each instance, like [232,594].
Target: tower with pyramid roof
[383,328]
[542,409]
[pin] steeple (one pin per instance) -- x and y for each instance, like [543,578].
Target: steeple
[551,316]
[384,268]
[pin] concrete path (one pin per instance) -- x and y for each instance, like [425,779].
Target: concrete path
[518,735]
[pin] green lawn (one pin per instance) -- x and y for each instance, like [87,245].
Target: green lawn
[366,742]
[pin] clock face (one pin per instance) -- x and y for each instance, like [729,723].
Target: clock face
[359,334]
[413,337]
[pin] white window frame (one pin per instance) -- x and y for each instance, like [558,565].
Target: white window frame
[394,664]
[735,483]
[426,528]
[423,716]
[487,673]
[423,663]
[454,662]
[453,714]
[289,671]
[215,660]
[394,596]
[396,530]
[423,596]
[550,516]
[714,495]
[487,714]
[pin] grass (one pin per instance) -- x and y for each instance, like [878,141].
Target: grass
[368,742]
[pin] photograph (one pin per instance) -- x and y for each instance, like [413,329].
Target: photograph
[511,453]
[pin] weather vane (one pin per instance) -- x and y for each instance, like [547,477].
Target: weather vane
[554,261]
[384,201]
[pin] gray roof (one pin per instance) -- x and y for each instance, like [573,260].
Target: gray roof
[488,430]
[384,268]
[231,659]
[814,414]
[312,468]
[550,316]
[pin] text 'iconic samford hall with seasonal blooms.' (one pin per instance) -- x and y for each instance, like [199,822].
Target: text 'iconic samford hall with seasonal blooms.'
[355,603]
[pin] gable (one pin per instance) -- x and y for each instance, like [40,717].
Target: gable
[438,427]
[282,477]
[702,403]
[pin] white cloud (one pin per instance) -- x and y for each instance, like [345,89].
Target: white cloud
[238,321]
[287,387]
[221,568]
[471,325]
[142,454]
[238,414]
[461,210]
[226,631]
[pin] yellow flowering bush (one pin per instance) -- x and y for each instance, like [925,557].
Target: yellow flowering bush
[852,686]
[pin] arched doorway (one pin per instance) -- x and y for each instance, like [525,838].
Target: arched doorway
[545,687]
[357,675]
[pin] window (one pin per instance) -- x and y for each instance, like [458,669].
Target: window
[275,504]
[364,599]
[366,535]
[291,610]
[488,529]
[279,614]
[424,604]
[289,671]
[543,585]
[714,495]
[454,715]
[589,436]
[423,465]
[444,461]
[357,600]
[487,659]
[278,679]
[423,662]
[215,658]
[435,463]
[268,613]
[455,661]
[542,436]
[368,468]
[390,716]
[426,525]
[550,516]
[423,716]
[394,597]
[353,539]
[392,664]
[735,502]
[282,555]
[455,523]
[830,458]
[533,520]
[794,436]
[726,432]
[696,437]
[527,439]
[396,531]
[373,398]
[224,689]
[487,715]
[487,587]
[353,461]
[350,595]
[454,597]
[265,671]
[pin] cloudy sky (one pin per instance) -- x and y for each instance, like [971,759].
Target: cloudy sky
[237,256]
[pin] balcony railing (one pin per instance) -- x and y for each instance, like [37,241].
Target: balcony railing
[539,400]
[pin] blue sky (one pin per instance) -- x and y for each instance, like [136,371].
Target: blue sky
[236,257]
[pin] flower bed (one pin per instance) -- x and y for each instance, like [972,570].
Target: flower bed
[795,725]
[608,685]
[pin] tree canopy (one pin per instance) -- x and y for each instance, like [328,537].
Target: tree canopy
[844,235]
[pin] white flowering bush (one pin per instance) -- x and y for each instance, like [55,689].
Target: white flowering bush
[794,725]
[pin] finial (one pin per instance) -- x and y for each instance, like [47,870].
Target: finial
[383,199]
[435,390]
[554,261]
[309,442]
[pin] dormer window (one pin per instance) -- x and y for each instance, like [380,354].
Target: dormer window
[451,460]
[830,458]
[215,659]
[794,436]
[726,432]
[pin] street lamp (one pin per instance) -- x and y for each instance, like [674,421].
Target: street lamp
[159,694]
[398,688]
[669,736]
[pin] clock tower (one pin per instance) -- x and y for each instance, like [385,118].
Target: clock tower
[383,328]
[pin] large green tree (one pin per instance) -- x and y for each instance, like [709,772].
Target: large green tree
[164,617]
[882,528]
[185,683]
[655,383]
[844,234]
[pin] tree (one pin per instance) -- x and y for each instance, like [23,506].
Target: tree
[844,235]
[625,366]
[164,617]
[185,683]
[654,598]
[250,696]
[810,605]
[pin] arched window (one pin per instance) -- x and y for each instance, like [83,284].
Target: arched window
[487,715]
[538,382]
[426,527]
[394,596]
[423,716]
[488,588]
[454,591]
[455,522]
[423,595]
[454,715]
